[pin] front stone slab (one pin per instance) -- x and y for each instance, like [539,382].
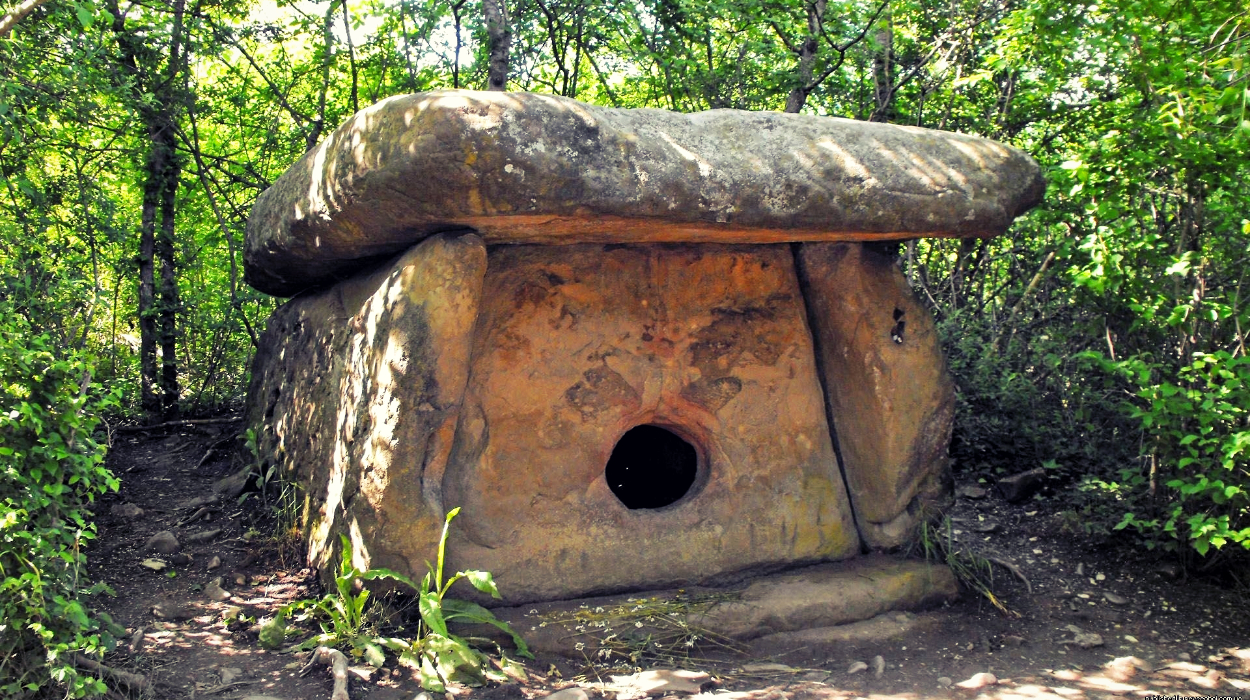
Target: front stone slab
[821,601]
[576,346]
[890,398]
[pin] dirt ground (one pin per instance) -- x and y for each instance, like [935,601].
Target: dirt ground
[1185,636]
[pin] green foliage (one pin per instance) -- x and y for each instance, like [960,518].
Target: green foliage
[1198,449]
[438,655]
[52,471]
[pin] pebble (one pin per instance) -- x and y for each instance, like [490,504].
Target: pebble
[128,511]
[979,680]
[1012,640]
[974,493]
[230,674]
[204,536]
[945,682]
[215,592]
[240,580]
[1184,656]
[214,563]
[1130,639]
[1115,599]
[163,542]
[154,564]
[878,666]
[1086,640]
[856,668]
[173,611]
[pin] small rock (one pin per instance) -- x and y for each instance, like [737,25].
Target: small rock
[1124,668]
[214,563]
[203,536]
[154,564]
[1209,681]
[234,485]
[240,580]
[1019,487]
[878,666]
[163,542]
[815,676]
[1169,570]
[971,492]
[660,682]
[215,592]
[1080,569]
[1115,599]
[980,680]
[573,693]
[198,502]
[856,668]
[230,674]
[985,528]
[1184,656]
[1085,640]
[765,667]
[945,681]
[423,695]
[129,511]
[182,559]
[1012,640]
[174,612]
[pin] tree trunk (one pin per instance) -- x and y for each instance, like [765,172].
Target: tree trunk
[158,298]
[806,71]
[883,75]
[499,43]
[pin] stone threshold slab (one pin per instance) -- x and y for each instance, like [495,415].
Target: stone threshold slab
[817,598]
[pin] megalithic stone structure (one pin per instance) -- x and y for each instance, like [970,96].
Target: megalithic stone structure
[637,348]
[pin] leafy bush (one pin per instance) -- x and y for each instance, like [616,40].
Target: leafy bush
[1197,471]
[52,469]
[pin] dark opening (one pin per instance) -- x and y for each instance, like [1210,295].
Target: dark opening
[651,467]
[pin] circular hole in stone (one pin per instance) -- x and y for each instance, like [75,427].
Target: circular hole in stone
[651,467]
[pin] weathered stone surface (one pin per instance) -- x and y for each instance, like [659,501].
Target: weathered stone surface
[875,630]
[891,401]
[522,167]
[356,392]
[576,345]
[163,542]
[1019,487]
[830,594]
[792,609]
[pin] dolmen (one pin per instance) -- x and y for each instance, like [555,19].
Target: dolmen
[638,349]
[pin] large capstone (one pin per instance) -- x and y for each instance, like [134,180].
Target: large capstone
[527,168]
[636,349]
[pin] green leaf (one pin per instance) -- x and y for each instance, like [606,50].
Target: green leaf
[431,609]
[465,611]
[483,581]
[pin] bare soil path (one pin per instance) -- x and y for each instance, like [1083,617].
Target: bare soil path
[1090,604]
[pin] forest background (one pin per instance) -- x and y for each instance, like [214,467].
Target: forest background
[1102,338]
